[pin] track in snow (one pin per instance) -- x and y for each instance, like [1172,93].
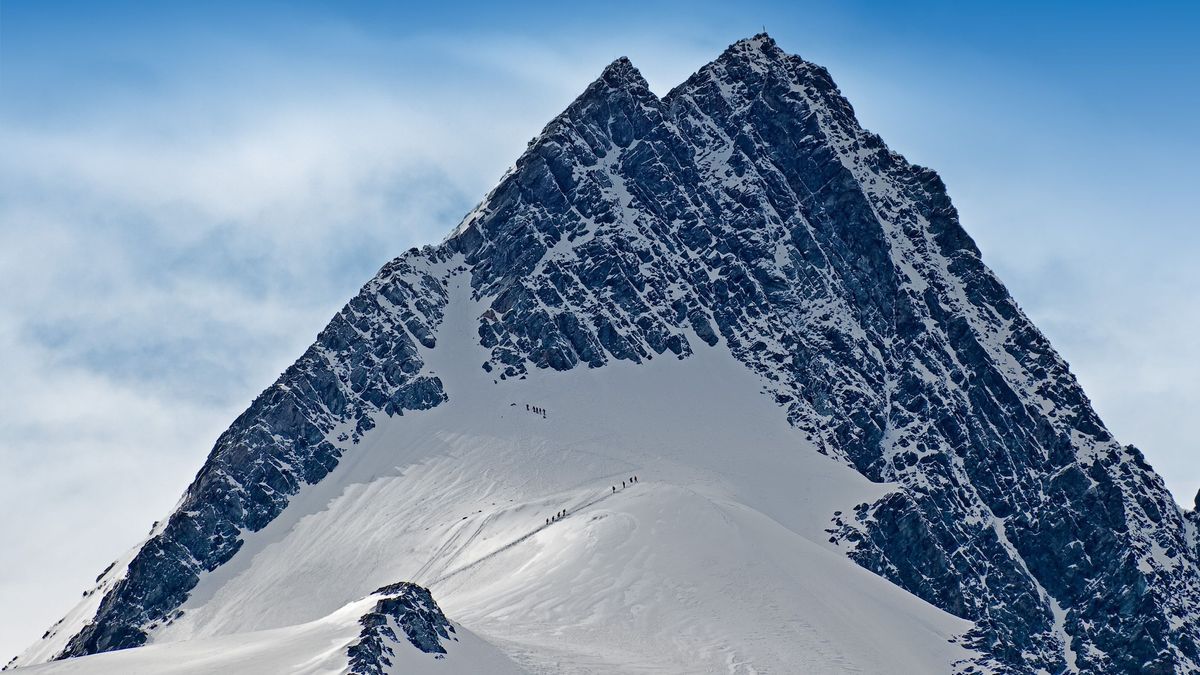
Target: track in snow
[518,540]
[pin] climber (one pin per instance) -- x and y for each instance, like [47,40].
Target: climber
[614,489]
[622,485]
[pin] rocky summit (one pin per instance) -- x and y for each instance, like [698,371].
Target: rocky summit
[744,218]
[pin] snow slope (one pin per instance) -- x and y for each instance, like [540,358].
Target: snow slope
[314,648]
[715,561]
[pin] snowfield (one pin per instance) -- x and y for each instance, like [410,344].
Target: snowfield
[714,561]
[314,648]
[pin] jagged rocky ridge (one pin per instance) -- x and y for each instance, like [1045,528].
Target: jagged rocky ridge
[409,608]
[748,209]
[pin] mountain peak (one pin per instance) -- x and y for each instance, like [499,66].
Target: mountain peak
[759,41]
[759,48]
[746,61]
[622,74]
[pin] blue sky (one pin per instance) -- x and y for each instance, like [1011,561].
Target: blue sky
[188,191]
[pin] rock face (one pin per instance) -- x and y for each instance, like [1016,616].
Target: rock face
[408,608]
[748,209]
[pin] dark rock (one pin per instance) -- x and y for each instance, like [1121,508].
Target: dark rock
[411,609]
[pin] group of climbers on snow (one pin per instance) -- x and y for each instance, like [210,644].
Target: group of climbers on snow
[631,481]
[563,514]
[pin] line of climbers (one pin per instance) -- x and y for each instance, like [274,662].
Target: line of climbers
[563,514]
[632,480]
[536,410]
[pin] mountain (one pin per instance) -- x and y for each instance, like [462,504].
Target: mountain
[853,450]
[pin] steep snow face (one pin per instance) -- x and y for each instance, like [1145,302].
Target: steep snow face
[716,559]
[747,215]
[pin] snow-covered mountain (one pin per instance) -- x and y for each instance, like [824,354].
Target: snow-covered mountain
[853,451]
